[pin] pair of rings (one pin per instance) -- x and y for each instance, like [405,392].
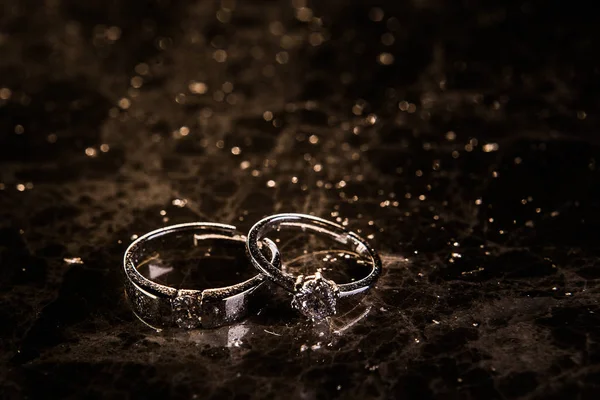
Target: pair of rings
[313,296]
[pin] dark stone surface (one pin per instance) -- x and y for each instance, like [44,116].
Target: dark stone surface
[470,161]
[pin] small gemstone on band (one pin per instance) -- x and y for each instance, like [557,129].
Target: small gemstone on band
[316,298]
[186,310]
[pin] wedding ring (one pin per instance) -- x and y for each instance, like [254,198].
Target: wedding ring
[314,296]
[162,305]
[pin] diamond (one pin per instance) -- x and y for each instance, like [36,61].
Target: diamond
[186,310]
[315,297]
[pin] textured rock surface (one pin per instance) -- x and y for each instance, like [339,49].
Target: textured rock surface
[460,139]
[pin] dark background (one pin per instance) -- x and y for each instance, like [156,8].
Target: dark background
[460,137]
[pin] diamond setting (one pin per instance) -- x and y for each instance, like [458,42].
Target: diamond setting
[186,310]
[315,297]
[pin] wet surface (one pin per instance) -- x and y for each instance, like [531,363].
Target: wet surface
[461,140]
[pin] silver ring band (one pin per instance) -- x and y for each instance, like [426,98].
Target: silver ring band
[314,296]
[161,305]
